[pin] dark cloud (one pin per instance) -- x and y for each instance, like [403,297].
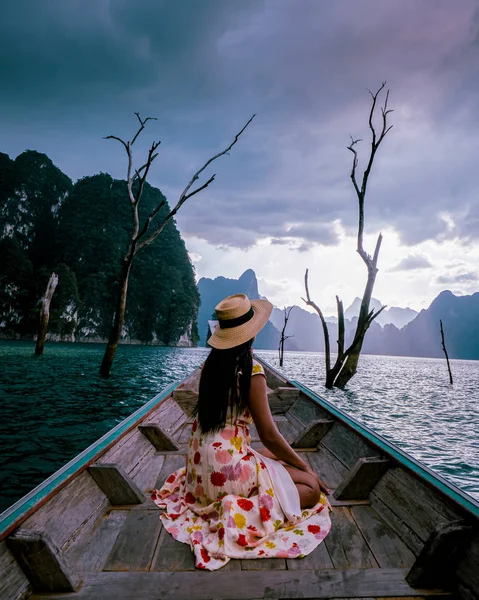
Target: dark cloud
[412,262]
[459,278]
[75,71]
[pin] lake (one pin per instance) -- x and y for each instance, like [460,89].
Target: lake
[53,407]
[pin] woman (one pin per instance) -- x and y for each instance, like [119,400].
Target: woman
[231,501]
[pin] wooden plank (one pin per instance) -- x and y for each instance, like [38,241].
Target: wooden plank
[318,559]
[312,433]
[388,549]
[172,555]
[347,445]
[185,433]
[305,411]
[170,417]
[417,506]
[263,564]
[186,400]
[281,399]
[117,486]
[405,533]
[145,473]
[345,543]
[328,467]
[287,430]
[160,440]
[172,463]
[89,553]
[468,569]
[362,478]
[42,562]
[436,564]
[81,500]
[245,585]
[14,584]
[136,542]
[128,454]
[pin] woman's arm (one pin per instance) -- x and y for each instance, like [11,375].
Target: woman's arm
[266,427]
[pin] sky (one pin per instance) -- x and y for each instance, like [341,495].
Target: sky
[74,71]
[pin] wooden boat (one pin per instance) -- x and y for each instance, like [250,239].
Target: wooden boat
[91,531]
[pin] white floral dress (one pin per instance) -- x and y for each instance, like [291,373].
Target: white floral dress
[232,502]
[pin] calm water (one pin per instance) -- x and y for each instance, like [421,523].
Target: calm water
[53,407]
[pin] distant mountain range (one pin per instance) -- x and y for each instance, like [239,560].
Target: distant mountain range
[397,331]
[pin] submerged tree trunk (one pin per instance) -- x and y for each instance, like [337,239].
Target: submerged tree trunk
[347,360]
[45,313]
[119,319]
[142,235]
[445,352]
[283,336]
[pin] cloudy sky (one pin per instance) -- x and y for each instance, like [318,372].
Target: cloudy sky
[73,71]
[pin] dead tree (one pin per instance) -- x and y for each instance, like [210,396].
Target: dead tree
[143,235]
[347,361]
[284,337]
[45,314]
[445,352]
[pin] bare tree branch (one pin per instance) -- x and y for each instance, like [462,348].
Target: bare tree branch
[309,302]
[187,194]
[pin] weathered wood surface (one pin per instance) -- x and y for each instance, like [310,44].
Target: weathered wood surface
[312,433]
[14,584]
[160,440]
[128,452]
[117,486]
[245,585]
[146,472]
[184,435]
[436,564]
[305,411]
[264,564]
[328,467]
[170,417]
[89,552]
[416,505]
[409,537]
[42,562]
[347,445]
[186,400]
[135,545]
[362,478]
[345,543]
[388,549]
[468,568]
[83,502]
[281,399]
[287,430]
[318,559]
[171,555]
[171,463]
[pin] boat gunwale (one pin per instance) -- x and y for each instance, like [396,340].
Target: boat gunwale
[405,460]
[18,512]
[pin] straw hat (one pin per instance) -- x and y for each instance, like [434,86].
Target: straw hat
[239,320]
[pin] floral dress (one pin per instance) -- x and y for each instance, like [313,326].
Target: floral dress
[229,501]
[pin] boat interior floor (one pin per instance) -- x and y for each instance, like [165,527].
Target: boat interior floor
[126,553]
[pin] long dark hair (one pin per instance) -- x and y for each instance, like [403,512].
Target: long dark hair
[225,382]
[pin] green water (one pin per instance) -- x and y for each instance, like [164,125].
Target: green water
[53,407]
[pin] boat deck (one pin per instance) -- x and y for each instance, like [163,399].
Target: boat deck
[97,533]
[130,555]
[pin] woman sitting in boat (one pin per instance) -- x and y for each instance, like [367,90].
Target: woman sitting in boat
[231,501]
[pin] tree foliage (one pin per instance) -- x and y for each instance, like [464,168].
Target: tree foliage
[80,231]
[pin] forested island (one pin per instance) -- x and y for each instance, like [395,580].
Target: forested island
[80,231]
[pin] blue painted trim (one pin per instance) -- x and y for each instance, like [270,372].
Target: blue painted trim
[404,459]
[25,504]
